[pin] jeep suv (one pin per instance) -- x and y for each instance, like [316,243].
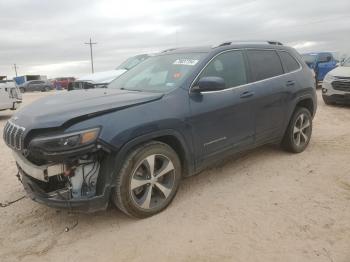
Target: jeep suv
[167,118]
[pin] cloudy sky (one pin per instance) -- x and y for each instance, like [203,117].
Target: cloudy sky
[47,37]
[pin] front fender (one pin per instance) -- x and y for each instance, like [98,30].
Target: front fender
[122,153]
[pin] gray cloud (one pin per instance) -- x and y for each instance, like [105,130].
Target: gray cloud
[47,37]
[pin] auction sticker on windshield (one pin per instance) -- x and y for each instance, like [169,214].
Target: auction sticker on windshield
[189,62]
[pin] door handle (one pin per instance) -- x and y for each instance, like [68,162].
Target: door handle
[290,83]
[246,94]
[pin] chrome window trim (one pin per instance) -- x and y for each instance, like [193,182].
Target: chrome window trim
[240,86]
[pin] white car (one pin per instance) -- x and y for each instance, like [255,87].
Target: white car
[102,79]
[10,96]
[336,85]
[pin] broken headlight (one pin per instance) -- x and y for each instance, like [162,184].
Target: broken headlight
[66,142]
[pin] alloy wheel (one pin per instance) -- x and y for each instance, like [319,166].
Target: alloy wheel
[302,130]
[152,181]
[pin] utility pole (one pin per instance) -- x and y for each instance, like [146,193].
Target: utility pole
[92,59]
[15,67]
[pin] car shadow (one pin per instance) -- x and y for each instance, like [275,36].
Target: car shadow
[190,186]
[343,106]
[5,117]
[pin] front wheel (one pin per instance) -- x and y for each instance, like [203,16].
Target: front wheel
[298,133]
[148,180]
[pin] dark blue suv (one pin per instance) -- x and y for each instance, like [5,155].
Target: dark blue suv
[169,117]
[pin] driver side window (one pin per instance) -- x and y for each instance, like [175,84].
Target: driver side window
[230,66]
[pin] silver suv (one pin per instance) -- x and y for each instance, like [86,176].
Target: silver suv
[336,85]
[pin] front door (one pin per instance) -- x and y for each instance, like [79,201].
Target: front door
[222,120]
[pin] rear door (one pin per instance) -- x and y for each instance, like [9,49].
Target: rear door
[269,87]
[223,119]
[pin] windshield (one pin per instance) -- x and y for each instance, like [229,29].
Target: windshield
[158,73]
[309,59]
[132,62]
[347,62]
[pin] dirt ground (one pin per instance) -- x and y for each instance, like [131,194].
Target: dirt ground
[266,205]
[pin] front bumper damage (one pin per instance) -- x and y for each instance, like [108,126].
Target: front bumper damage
[56,200]
[60,185]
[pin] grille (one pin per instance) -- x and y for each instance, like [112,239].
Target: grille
[13,135]
[341,85]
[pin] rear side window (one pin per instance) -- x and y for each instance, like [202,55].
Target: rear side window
[228,65]
[264,64]
[289,63]
[325,57]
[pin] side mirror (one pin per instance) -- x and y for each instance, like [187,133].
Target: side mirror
[209,83]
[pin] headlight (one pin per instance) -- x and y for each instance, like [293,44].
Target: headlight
[65,142]
[329,78]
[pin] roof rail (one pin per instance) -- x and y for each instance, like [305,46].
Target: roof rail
[168,50]
[249,42]
[274,43]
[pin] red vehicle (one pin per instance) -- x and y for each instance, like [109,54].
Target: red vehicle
[62,82]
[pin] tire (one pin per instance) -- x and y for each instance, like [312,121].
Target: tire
[299,131]
[22,90]
[326,100]
[140,194]
[14,106]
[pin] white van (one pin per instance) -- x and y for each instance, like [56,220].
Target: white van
[10,96]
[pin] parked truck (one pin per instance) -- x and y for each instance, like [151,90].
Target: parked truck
[321,63]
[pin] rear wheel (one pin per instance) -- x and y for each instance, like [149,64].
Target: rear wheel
[148,180]
[22,89]
[298,133]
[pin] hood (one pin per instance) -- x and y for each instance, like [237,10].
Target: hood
[102,77]
[342,71]
[55,110]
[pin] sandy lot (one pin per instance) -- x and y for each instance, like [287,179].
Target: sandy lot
[265,205]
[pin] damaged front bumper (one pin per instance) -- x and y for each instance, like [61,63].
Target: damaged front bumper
[57,200]
[59,185]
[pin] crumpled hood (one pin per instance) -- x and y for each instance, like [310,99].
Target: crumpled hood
[102,77]
[55,110]
[341,71]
